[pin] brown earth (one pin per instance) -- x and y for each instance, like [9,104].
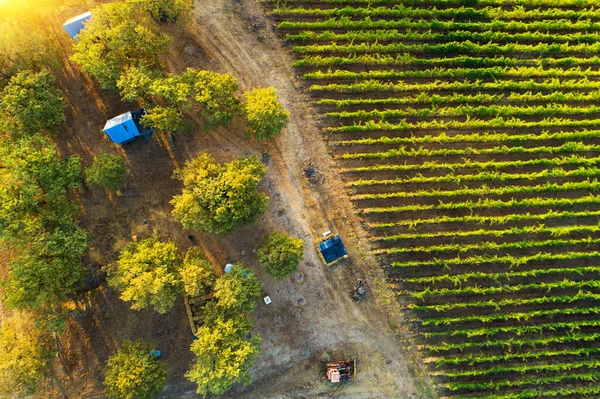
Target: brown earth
[312,316]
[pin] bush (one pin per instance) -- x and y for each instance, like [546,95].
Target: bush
[146,274]
[280,254]
[106,170]
[167,10]
[133,373]
[264,113]
[197,274]
[218,198]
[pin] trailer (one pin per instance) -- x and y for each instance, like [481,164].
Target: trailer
[126,127]
[76,24]
[343,370]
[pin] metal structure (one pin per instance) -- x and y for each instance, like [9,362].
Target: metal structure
[74,25]
[126,127]
[343,370]
[331,248]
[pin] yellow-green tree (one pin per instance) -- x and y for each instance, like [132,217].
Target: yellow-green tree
[30,102]
[25,355]
[120,35]
[167,10]
[280,254]
[106,170]
[223,356]
[146,274]
[134,373]
[265,116]
[218,198]
[197,274]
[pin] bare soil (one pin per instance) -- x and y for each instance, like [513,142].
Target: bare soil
[312,317]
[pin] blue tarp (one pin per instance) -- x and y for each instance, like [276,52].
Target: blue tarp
[74,25]
[332,249]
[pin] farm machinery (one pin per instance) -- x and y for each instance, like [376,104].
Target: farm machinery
[343,370]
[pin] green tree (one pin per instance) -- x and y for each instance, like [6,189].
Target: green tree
[215,93]
[237,291]
[146,274]
[31,102]
[24,44]
[218,198]
[25,355]
[106,170]
[223,357]
[38,219]
[133,373]
[280,254]
[264,113]
[134,83]
[120,35]
[168,119]
[197,274]
[167,10]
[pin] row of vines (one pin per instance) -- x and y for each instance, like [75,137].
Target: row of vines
[467,135]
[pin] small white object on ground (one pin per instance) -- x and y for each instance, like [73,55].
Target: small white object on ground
[267,299]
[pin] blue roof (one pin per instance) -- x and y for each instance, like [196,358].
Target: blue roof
[117,120]
[332,249]
[81,17]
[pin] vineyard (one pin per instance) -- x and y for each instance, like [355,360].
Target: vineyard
[467,135]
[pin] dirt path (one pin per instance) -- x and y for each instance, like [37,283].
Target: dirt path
[312,314]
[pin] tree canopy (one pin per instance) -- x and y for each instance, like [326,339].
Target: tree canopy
[106,170]
[38,218]
[167,10]
[119,36]
[133,373]
[218,198]
[25,355]
[238,290]
[208,94]
[25,45]
[30,102]
[265,116]
[223,357]
[197,274]
[280,254]
[146,274]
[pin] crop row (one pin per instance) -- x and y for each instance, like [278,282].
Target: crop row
[460,98]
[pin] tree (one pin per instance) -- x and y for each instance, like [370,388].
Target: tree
[38,219]
[197,274]
[238,290]
[215,93]
[134,83]
[146,274]
[25,355]
[168,119]
[106,170]
[280,254]
[32,102]
[120,35]
[223,357]
[167,10]
[218,198]
[264,113]
[24,44]
[133,373]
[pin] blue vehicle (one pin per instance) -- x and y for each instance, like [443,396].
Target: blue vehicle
[74,25]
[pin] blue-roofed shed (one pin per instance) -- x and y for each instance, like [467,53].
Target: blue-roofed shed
[126,127]
[332,249]
[74,25]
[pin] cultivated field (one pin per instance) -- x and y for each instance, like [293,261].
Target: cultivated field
[468,132]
